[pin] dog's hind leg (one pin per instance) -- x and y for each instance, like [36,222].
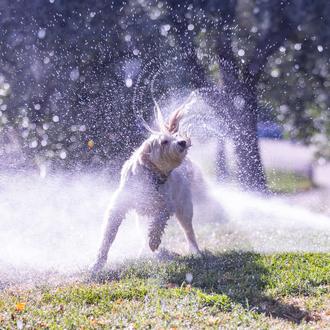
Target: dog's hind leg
[185,219]
[115,217]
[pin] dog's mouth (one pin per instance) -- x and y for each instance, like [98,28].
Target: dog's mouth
[182,149]
[182,146]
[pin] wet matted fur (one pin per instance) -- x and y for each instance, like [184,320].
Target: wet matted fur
[156,181]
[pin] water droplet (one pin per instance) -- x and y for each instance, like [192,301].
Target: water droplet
[74,74]
[33,144]
[25,122]
[129,82]
[297,46]
[241,52]
[275,73]
[56,119]
[189,277]
[239,102]
[254,29]
[42,33]
[191,27]
[320,48]
[155,14]
[63,154]
[164,29]
[19,324]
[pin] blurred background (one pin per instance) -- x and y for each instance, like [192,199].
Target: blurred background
[77,76]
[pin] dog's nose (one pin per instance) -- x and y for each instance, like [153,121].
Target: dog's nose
[182,143]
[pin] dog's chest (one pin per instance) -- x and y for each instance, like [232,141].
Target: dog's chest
[149,200]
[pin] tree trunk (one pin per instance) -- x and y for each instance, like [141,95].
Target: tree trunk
[222,171]
[249,169]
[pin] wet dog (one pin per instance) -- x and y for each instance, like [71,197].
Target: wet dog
[156,181]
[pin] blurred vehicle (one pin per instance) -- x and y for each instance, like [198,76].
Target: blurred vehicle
[269,130]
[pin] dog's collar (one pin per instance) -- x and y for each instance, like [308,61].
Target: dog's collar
[157,177]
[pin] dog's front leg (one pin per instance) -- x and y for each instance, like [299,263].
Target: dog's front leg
[115,218]
[157,228]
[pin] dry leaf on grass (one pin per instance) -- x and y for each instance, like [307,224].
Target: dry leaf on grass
[20,306]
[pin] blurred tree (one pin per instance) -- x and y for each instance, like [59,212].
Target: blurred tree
[81,73]
[65,64]
[297,78]
[246,36]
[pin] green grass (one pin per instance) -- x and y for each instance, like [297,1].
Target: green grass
[287,182]
[228,290]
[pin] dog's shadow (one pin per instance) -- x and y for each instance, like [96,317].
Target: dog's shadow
[239,275]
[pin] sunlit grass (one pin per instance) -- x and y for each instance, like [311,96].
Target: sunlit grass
[228,290]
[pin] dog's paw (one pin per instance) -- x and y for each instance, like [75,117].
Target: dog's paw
[194,250]
[154,243]
[165,255]
[97,267]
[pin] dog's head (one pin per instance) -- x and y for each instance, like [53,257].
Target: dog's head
[165,151]
[167,147]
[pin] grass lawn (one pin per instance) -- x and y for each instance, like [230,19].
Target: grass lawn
[226,290]
[287,182]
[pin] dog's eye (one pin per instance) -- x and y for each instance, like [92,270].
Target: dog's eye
[164,142]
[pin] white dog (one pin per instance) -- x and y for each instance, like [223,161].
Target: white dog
[155,181]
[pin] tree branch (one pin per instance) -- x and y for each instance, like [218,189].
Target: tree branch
[227,60]
[186,42]
[268,44]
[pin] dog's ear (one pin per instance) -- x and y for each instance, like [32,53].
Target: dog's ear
[159,117]
[173,123]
